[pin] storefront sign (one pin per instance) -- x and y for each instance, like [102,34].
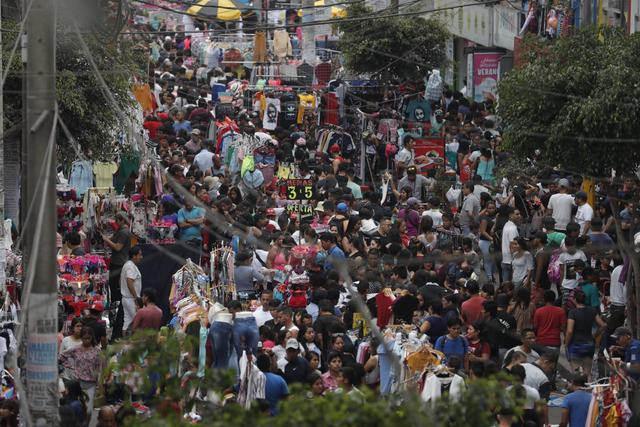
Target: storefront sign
[485,75]
[297,189]
[433,150]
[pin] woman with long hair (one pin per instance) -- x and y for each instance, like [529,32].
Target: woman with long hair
[76,399]
[85,364]
[75,339]
[426,236]
[523,309]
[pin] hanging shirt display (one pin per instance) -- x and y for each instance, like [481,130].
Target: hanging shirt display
[289,111]
[104,173]
[270,118]
[81,177]
[418,110]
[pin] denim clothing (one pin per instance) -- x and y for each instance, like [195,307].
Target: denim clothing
[81,177]
[246,328]
[222,335]
[489,264]
[578,351]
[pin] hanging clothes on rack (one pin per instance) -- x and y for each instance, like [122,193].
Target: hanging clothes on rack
[282,44]
[260,47]
[104,172]
[81,177]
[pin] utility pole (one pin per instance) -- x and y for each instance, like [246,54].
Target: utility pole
[40,245]
[3,255]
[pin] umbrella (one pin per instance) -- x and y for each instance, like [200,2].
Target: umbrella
[223,10]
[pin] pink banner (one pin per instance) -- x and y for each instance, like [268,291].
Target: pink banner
[485,75]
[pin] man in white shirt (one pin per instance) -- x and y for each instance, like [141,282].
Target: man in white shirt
[434,211]
[584,215]
[262,313]
[204,161]
[130,285]
[560,205]
[509,233]
[572,261]
[617,302]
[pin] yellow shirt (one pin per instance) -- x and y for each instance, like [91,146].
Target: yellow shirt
[104,173]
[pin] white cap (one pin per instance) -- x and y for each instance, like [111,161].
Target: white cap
[293,343]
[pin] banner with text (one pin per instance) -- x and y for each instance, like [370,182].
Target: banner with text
[485,75]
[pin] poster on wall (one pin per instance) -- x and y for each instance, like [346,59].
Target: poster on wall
[485,75]
[433,150]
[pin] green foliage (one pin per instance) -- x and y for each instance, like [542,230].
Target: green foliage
[577,100]
[146,356]
[82,105]
[400,47]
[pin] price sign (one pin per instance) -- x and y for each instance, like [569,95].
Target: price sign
[297,189]
[303,209]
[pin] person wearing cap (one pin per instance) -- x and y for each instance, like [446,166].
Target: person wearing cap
[584,214]
[437,123]
[560,205]
[194,145]
[297,368]
[629,348]
[419,184]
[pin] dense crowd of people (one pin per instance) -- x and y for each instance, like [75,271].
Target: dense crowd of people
[518,273]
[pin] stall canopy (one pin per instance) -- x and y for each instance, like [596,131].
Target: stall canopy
[223,10]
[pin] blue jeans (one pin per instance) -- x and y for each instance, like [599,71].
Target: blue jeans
[580,351]
[222,335]
[245,335]
[489,264]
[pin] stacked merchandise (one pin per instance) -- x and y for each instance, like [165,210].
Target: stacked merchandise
[190,280]
[82,280]
[223,261]
[69,208]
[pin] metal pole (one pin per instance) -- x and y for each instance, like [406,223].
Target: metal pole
[2,254]
[41,305]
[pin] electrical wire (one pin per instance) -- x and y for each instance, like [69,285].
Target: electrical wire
[257,9]
[374,15]
[17,42]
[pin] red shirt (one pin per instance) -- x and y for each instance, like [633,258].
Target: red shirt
[549,321]
[480,348]
[472,309]
[152,127]
[149,317]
